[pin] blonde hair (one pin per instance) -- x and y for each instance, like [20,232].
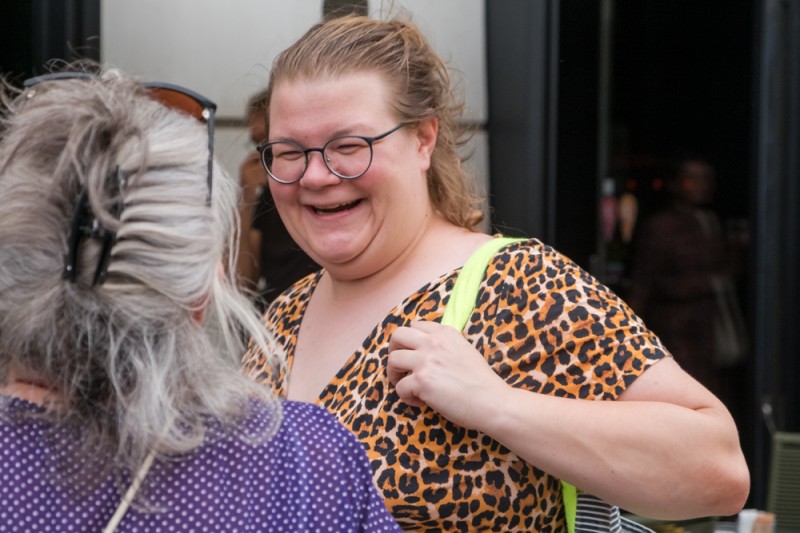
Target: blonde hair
[420,80]
[133,368]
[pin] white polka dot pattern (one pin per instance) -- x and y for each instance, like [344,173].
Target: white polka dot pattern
[313,475]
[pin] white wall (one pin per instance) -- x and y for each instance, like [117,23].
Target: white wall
[223,50]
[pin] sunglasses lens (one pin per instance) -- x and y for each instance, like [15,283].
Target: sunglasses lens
[194,105]
[180,101]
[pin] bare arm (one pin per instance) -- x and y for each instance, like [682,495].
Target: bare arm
[668,449]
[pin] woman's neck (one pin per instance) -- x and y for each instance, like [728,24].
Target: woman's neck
[30,387]
[435,252]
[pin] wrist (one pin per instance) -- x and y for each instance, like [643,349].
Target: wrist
[494,410]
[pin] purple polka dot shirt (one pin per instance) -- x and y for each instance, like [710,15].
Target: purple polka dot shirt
[313,475]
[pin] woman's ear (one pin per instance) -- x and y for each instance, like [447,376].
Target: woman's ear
[426,132]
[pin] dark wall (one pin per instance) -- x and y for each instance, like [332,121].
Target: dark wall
[520,52]
[34,32]
[577,149]
[683,81]
[543,65]
[16,38]
[681,78]
[776,200]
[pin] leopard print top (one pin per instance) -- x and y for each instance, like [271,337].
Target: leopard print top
[543,324]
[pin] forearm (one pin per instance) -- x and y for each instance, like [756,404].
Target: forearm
[654,458]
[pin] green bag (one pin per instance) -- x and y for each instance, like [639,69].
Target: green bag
[457,313]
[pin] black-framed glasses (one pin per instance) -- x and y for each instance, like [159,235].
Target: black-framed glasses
[347,157]
[84,224]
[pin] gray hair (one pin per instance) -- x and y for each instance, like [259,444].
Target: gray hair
[133,366]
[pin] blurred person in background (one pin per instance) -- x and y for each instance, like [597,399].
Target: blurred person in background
[682,276]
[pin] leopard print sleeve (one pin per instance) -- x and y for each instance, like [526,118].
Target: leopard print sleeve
[546,325]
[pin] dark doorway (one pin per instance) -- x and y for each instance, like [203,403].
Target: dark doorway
[598,97]
[681,79]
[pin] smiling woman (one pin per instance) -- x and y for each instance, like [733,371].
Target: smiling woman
[352,225]
[466,430]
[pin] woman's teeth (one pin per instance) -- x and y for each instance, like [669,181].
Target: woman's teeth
[335,208]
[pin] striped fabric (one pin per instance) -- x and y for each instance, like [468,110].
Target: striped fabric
[596,516]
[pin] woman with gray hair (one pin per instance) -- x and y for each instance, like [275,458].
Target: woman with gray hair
[121,331]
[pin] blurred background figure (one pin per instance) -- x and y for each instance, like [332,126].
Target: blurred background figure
[682,276]
[269,259]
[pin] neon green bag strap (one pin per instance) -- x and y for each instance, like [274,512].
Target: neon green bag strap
[570,496]
[465,291]
[459,308]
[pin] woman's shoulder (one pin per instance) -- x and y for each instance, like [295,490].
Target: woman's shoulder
[288,307]
[529,255]
[281,437]
[315,426]
[315,462]
[300,289]
[541,271]
[302,428]
[307,415]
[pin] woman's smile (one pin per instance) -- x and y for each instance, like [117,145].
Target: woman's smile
[336,208]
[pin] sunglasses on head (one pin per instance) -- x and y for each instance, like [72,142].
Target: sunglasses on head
[170,95]
[84,224]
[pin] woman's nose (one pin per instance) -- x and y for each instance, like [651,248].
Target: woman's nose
[317,172]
